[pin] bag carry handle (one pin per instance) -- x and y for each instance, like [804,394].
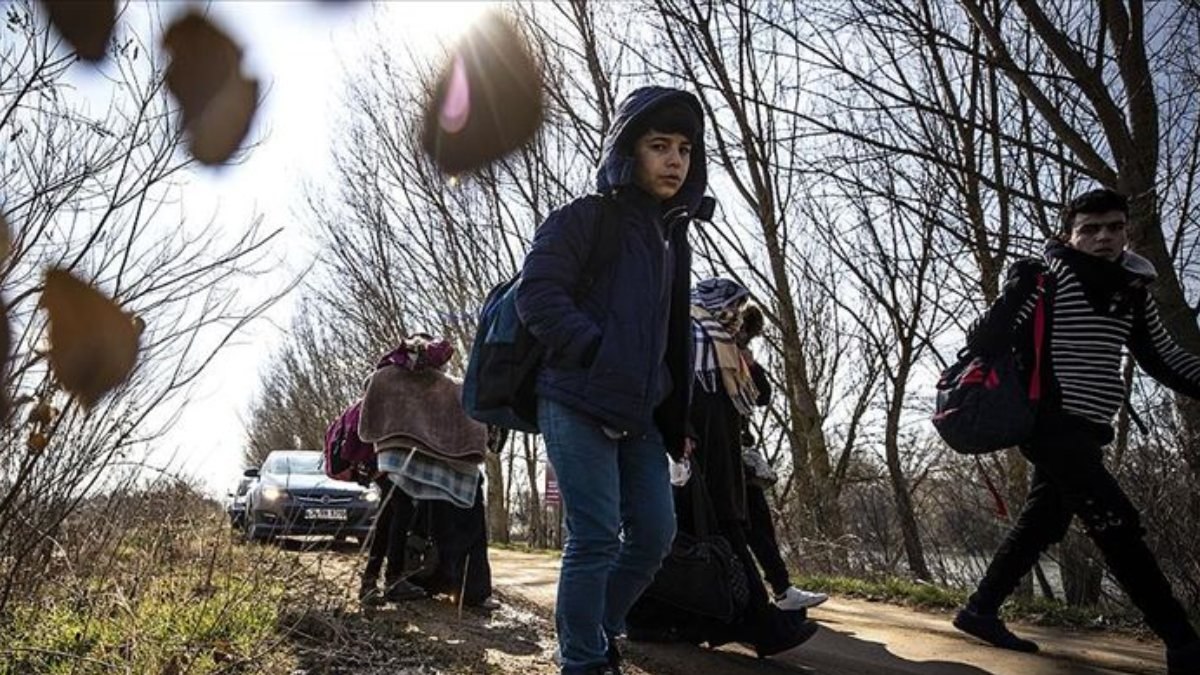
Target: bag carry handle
[700,493]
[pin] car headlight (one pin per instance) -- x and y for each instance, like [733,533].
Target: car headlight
[272,494]
[370,496]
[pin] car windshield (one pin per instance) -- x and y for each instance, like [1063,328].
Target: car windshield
[304,463]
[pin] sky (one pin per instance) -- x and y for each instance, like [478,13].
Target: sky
[301,53]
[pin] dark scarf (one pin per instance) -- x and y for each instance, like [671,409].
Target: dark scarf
[1110,286]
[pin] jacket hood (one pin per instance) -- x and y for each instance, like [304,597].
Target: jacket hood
[1139,267]
[617,166]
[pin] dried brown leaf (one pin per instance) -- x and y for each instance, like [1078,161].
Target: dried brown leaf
[217,103]
[488,99]
[86,25]
[42,413]
[93,342]
[37,442]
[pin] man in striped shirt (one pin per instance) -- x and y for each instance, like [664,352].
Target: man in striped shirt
[1098,304]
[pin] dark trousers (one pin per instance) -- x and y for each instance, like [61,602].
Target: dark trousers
[760,535]
[389,532]
[1070,479]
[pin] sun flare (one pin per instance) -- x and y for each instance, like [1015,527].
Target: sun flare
[441,21]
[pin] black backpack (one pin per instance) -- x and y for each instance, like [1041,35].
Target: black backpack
[983,404]
[498,388]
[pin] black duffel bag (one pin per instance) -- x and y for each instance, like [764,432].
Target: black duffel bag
[702,574]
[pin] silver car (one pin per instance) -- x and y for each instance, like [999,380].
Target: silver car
[293,496]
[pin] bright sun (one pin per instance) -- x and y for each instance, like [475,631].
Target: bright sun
[440,21]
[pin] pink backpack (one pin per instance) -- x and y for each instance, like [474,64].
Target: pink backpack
[347,457]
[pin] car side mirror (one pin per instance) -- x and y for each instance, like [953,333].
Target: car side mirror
[250,473]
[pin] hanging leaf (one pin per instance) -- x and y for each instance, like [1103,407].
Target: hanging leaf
[87,26]
[93,343]
[216,102]
[488,99]
[37,442]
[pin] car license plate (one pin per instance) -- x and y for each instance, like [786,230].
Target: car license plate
[325,514]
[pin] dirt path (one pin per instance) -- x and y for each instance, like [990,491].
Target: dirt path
[856,638]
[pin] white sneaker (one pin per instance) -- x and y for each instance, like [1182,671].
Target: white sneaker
[794,598]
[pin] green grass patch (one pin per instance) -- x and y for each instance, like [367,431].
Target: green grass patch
[175,620]
[522,547]
[886,589]
[909,593]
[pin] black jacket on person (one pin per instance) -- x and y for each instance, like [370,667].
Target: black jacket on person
[606,345]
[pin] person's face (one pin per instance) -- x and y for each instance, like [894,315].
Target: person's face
[1100,234]
[662,163]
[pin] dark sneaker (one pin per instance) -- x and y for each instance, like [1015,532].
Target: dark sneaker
[403,591]
[992,630]
[1184,661]
[604,670]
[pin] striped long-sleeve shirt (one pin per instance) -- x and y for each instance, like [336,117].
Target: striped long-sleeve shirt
[1086,346]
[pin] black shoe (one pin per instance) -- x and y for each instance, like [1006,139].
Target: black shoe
[403,591]
[801,633]
[604,670]
[613,655]
[1185,660]
[992,630]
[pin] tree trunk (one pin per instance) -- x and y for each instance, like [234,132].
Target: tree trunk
[497,514]
[913,550]
[810,453]
[1178,317]
[1081,574]
[536,536]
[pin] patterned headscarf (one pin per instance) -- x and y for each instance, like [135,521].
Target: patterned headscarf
[716,318]
[419,352]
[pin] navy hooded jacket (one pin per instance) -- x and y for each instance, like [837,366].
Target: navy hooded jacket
[607,344]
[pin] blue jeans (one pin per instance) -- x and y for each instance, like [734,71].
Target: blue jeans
[620,524]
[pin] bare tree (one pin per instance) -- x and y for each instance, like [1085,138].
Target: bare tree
[758,150]
[94,193]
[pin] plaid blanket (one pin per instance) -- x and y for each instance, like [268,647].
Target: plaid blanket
[464,463]
[425,476]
